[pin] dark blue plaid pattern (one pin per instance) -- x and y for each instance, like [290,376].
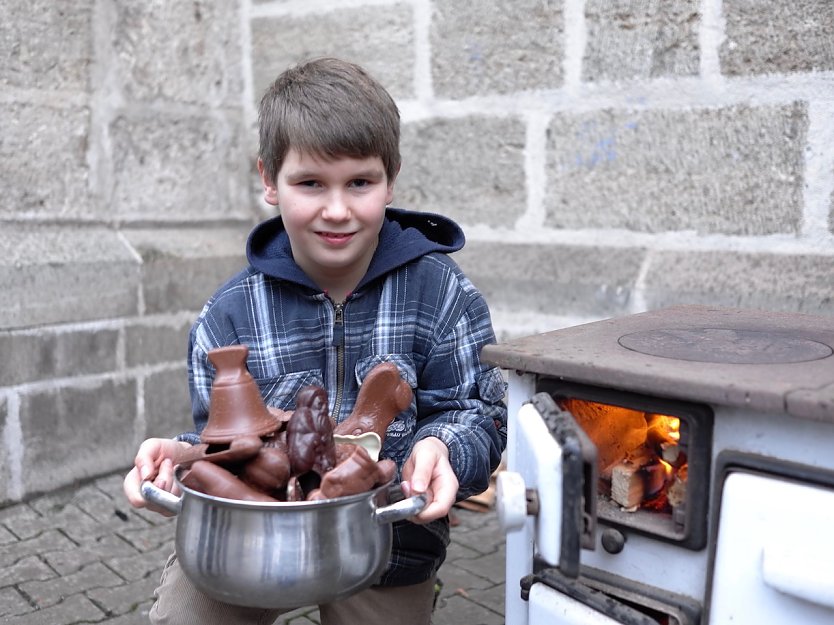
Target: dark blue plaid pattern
[425,316]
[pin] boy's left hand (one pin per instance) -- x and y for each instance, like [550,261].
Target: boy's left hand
[427,470]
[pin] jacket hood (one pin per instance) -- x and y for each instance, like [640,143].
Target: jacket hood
[404,236]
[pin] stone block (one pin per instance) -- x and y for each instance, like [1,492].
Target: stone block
[32,136]
[182,267]
[781,282]
[61,275]
[25,571]
[5,469]
[470,168]
[12,602]
[168,403]
[380,38]
[496,47]
[831,214]
[156,340]
[123,598]
[47,542]
[47,592]
[74,432]
[629,39]
[172,167]
[47,47]
[736,170]
[31,355]
[553,278]
[777,36]
[99,549]
[73,609]
[179,51]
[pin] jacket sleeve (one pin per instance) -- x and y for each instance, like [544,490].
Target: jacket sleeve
[460,399]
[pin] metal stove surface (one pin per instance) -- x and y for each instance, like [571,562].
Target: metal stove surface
[760,360]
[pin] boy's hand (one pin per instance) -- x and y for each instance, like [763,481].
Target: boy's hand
[154,461]
[427,470]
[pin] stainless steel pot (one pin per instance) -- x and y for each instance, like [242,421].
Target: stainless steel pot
[286,554]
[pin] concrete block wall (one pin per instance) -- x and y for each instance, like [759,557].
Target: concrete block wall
[125,200]
[604,157]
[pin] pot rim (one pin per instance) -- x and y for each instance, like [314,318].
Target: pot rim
[280,505]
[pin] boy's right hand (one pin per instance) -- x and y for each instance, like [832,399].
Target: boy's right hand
[154,461]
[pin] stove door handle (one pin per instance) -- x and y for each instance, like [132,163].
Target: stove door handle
[800,570]
[514,501]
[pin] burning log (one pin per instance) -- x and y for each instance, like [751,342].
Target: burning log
[615,431]
[631,484]
[677,489]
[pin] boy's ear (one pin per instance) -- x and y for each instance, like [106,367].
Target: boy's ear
[270,190]
[390,195]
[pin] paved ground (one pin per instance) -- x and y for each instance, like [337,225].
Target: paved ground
[83,555]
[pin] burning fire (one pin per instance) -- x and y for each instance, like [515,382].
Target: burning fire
[640,461]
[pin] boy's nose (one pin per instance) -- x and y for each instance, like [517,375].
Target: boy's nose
[336,208]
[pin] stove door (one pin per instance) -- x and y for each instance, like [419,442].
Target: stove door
[774,559]
[554,598]
[548,487]
[549,606]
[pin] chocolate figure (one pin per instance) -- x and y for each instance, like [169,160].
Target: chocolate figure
[356,474]
[310,433]
[237,408]
[214,480]
[253,452]
[268,471]
[383,395]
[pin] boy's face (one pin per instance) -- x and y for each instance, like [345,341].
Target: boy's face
[332,211]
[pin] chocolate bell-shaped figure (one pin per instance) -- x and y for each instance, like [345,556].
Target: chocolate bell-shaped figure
[310,433]
[382,396]
[237,408]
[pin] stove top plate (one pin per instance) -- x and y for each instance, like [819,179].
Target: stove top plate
[724,345]
[757,360]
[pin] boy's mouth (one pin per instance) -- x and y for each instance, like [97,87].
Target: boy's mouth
[335,237]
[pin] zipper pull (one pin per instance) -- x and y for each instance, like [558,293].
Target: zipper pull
[338,324]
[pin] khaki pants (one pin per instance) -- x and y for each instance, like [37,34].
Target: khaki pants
[178,602]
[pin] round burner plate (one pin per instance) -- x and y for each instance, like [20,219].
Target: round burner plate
[727,346]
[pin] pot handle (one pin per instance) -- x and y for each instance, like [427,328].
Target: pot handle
[401,510]
[160,498]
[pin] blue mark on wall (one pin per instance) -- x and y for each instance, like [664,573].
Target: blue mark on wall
[602,142]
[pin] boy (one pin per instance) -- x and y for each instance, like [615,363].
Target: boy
[336,285]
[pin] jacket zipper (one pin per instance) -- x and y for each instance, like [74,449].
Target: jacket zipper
[339,342]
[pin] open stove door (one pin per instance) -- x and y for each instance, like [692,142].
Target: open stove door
[546,503]
[549,487]
[546,500]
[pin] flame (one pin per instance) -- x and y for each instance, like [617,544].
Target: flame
[663,428]
[674,428]
[626,436]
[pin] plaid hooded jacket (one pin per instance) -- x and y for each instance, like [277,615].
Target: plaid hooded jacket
[415,308]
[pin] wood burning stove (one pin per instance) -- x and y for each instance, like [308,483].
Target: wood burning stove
[655,463]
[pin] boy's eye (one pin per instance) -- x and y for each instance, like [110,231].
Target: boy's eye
[308,183]
[359,183]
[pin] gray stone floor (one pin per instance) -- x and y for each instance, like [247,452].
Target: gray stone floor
[83,555]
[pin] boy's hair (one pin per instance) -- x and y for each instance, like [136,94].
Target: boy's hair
[329,108]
